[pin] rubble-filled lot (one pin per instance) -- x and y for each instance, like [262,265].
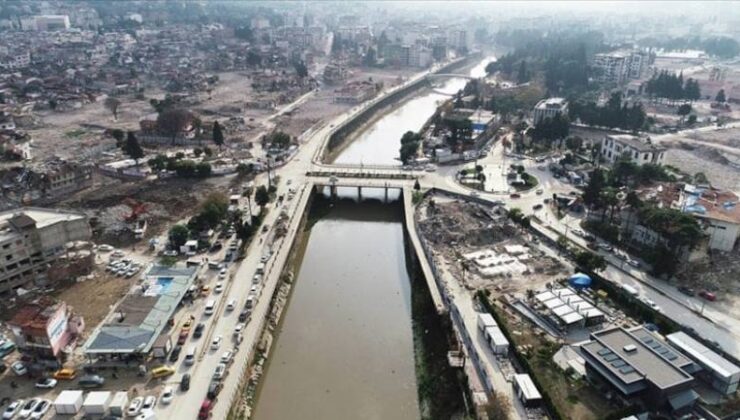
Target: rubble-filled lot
[494,253]
[720,273]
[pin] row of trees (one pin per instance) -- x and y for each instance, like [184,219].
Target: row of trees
[550,129]
[184,168]
[670,86]
[615,114]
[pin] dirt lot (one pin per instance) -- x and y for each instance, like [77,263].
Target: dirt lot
[456,228]
[713,163]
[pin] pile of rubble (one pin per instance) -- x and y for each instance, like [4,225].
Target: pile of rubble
[464,224]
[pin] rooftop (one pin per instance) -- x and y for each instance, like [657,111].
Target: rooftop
[635,355]
[705,356]
[137,321]
[711,203]
[551,103]
[637,143]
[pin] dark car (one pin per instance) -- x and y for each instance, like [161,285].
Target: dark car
[515,195]
[175,353]
[91,381]
[198,332]
[205,409]
[687,291]
[213,389]
[216,247]
[244,315]
[708,295]
[537,206]
[185,382]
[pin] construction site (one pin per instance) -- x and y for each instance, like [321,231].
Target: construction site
[483,248]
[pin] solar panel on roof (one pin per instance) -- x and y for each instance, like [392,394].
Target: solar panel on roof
[618,363]
[646,339]
[670,356]
[611,357]
[663,350]
[627,369]
[603,352]
[655,345]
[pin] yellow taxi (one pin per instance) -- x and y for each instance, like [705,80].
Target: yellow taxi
[162,371]
[65,373]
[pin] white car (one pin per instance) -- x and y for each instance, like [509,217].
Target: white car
[46,383]
[220,371]
[633,263]
[19,368]
[649,302]
[222,273]
[105,248]
[167,395]
[219,287]
[28,408]
[134,406]
[239,328]
[149,402]
[216,343]
[231,305]
[41,409]
[13,409]
[227,356]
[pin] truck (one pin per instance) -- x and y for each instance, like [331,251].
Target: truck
[485,321]
[629,289]
[118,404]
[162,346]
[68,402]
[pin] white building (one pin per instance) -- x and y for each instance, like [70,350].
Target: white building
[549,108]
[722,374]
[46,23]
[460,39]
[30,238]
[420,56]
[718,212]
[17,60]
[640,151]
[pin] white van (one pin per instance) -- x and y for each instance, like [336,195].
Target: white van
[631,290]
[210,307]
[190,356]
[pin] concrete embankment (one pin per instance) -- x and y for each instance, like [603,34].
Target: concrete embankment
[339,135]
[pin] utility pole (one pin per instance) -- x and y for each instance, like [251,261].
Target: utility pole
[269,175]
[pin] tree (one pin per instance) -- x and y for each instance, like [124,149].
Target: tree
[684,110]
[592,192]
[417,186]
[172,122]
[522,76]
[371,58]
[720,96]
[262,196]
[590,262]
[409,146]
[112,104]
[158,163]
[499,407]
[132,148]
[279,139]
[178,235]
[218,135]
[701,178]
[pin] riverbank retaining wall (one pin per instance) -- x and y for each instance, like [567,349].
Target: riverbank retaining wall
[341,133]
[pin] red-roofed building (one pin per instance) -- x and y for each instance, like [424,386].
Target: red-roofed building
[44,328]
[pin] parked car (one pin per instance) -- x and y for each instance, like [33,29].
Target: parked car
[167,395]
[19,368]
[65,374]
[46,383]
[29,407]
[149,402]
[40,410]
[134,406]
[213,389]
[182,337]
[227,356]
[91,381]
[12,409]
[219,287]
[185,382]
[540,191]
[515,195]
[244,315]
[231,305]
[687,291]
[220,371]
[708,295]
[537,206]
[205,409]
[162,371]
[175,354]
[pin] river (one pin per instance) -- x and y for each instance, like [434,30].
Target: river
[345,349]
[379,144]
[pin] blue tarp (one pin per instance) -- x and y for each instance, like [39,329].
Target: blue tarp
[579,280]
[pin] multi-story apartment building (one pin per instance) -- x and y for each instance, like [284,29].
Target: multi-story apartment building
[549,108]
[619,66]
[639,150]
[30,238]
